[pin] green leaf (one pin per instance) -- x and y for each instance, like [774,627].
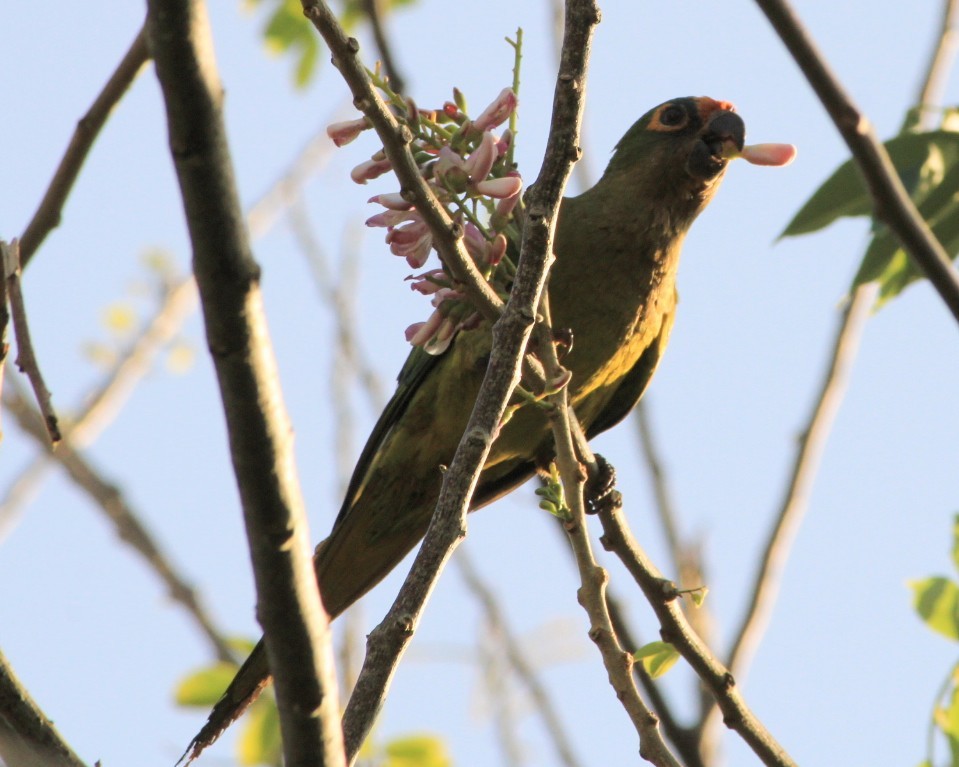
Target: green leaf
[204,687]
[417,751]
[260,742]
[937,602]
[657,657]
[955,541]
[288,31]
[885,260]
[921,160]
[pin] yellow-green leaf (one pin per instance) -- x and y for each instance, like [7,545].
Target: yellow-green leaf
[657,657]
[417,751]
[204,687]
[937,602]
[260,741]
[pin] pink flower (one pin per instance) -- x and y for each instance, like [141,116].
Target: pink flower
[429,282]
[343,133]
[369,170]
[497,112]
[393,201]
[481,160]
[392,218]
[500,188]
[412,241]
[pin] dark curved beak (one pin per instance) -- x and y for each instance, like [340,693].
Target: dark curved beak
[723,137]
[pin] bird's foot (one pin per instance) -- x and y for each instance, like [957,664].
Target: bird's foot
[600,492]
[563,340]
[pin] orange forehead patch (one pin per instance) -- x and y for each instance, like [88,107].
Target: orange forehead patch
[708,106]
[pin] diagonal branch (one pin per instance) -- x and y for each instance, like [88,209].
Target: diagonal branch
[27,737]
[510,334]
[126,521]
[47,216]
[812,443]
[518,660]
[295,624]
[892,204]
[396,140]
[374,12]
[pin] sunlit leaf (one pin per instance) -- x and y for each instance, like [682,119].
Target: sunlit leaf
[119,318]
[955,541]
[937,602]
[180,357]
[260,741]
[204,687]
[657,657]
[417,751]
[922,160]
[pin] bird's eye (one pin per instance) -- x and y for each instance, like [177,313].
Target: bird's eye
[672,116]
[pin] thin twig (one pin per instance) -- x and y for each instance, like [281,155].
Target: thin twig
[892,204]
[26,358]
[517,659]
[27,737]
[593,578]
[812,443]
[396,138]
[101,406]
[664,598]
[509,338]
[339,300]
[296,627]
[373,11]
[940,63]
[126,522]
[47,216]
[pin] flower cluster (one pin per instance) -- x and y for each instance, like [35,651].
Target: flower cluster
[469,169]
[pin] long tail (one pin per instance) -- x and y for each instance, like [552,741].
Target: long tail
[249,681]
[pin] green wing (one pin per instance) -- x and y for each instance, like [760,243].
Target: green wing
[417,366]
[630,391]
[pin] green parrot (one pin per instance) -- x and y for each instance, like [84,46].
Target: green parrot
[612,286]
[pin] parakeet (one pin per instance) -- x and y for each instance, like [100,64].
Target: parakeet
[612,286]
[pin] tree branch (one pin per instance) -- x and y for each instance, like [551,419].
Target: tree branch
[47,216]
[675,629]
[27,737]
[126,522]
[892,204]
[295,624]
[517,659]
[509,338]
[373,11]
[396,138]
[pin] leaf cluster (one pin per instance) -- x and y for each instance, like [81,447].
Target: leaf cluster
[928,165]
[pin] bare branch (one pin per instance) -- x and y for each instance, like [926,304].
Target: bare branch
[47,216]
[675,629]
[892,204]
[27,737]
[396,140]
[26,358]
[373,11]
[510,335]
[940,62]
[295,624]
[517,659]
[126,522]
[812,443]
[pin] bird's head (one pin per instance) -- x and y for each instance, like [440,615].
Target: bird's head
[679,150]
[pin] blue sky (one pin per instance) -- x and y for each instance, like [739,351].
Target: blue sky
[847,673]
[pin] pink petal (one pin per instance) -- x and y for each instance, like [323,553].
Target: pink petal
[369,170]
[497,112]
[344,132]
[481,161]
[500,188]
[391,218]
[769,154]
[393,201]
